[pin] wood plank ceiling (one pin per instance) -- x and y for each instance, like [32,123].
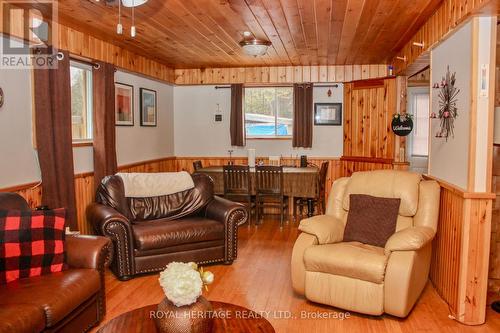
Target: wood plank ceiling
[205,33]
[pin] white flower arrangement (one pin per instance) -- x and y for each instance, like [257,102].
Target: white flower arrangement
[182,283]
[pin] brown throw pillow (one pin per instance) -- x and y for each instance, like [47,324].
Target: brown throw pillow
[371,220]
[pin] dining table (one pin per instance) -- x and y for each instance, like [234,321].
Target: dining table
[298,182]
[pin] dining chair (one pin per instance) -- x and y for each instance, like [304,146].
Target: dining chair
[237,186]
[319,200]
[269,190]
[197,165]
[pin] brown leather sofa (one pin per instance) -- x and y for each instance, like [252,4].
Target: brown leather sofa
[148,233]
[69,301]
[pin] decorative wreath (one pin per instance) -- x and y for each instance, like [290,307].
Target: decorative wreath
[447,105]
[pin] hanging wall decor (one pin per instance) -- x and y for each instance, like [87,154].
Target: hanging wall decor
[447,105]
[402,124]
[1,97]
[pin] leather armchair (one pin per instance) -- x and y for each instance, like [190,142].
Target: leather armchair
[69,301]
[149,233]
[360,277]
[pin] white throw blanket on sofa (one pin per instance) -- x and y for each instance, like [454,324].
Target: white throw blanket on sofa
[143,185]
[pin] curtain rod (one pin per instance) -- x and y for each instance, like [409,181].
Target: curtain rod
[325,85]
[85,61]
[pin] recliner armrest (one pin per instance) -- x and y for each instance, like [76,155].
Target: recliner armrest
[84,251]
[226,211]
[409,239]
[326,228]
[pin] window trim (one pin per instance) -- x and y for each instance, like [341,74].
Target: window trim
[412,92]
[82,143]
[281,137]
[266,137]
[89,102]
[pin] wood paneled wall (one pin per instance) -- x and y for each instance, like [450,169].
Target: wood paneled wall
[84,187]
[447,17]
[460,256]
[368,109]
[84,183]
[494,272]
[81,44]
[445,267]
[84,45]
[284,74]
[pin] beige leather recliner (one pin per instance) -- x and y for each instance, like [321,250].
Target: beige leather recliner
[365,278]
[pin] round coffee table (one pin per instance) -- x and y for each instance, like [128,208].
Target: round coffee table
[228,318]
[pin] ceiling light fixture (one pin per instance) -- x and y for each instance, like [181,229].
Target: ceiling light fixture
[132,28]
[133,3]
[119,26]
[130,4]
[253,46]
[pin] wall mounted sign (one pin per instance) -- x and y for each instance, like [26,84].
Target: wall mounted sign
[402,124]
[1,97]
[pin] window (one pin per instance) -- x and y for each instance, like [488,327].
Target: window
[268,111]
[81,101]
[420,110]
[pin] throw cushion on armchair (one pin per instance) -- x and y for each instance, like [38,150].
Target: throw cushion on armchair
[371,220]
[32,243]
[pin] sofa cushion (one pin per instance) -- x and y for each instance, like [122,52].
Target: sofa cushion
[371,220]
[58,294]
[32,243]
[21,318]
[387,184]
[163,233]
[353,259]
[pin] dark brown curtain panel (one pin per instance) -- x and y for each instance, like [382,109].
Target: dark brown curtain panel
[302,115]
[237,123]
[103,77]
[52,92]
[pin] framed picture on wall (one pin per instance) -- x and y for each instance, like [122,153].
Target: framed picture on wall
[148,107]
[329,114]
[124,104]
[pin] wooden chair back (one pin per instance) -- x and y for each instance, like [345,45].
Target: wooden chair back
[322,179]
[269,180]
[197,165]
[274,160]
[236,179]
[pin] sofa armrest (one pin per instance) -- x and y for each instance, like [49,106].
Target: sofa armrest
[226,211]
[99,215]
[409,239]
[233,215]
[110,223]
[88,251]
[326,228]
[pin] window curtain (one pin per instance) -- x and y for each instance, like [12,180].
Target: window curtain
[52,93]
[104,139]
[237,123]
[302,115]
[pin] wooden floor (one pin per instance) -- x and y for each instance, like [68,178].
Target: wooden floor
[260,280]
